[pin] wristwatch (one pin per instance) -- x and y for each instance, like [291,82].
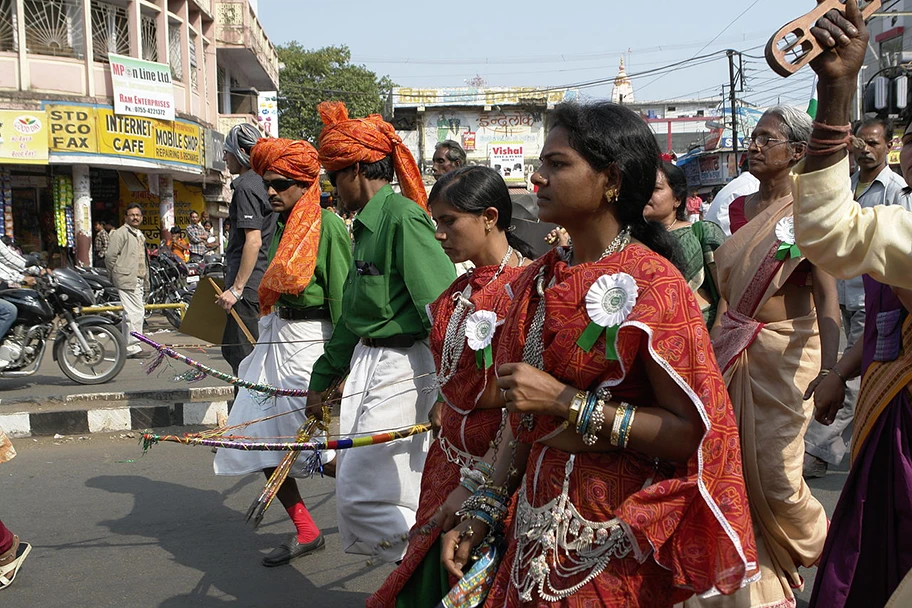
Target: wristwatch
[237,296]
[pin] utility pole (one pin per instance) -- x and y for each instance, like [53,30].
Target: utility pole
[731,91]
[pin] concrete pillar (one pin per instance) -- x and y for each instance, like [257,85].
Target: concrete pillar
[82,214]
[166,202]
[221,231]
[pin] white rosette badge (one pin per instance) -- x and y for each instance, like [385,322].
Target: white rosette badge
[785,232]
[479,331]
[609,302]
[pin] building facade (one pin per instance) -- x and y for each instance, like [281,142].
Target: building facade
[108,102]
[501,127]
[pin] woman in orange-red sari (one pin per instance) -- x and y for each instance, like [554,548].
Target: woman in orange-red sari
[473,211]
[632,493]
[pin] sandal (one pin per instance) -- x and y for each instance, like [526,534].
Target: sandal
[9,571]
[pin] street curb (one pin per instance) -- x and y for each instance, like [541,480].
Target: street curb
[107,412]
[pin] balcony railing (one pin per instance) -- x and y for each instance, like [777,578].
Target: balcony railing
[238,27]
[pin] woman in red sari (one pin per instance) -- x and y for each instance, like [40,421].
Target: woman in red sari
[633,493]
[473,211]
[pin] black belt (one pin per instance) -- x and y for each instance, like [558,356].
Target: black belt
[287,313]
[400,341]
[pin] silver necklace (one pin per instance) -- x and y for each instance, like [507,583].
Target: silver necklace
[454,340]
[617,244]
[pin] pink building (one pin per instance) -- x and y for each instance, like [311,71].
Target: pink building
[68,156]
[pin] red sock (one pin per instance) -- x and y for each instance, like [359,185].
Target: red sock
[307,529]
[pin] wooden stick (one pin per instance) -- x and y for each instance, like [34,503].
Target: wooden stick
[234,314]
[793,46]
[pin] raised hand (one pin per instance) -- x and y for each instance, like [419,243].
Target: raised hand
[845,38]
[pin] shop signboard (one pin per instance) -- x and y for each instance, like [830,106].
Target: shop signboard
[711,170]
[141,88]
[896,147]
[214,150]
[268,112]
[23,137]
[506,157]
[468,141]
[99,130]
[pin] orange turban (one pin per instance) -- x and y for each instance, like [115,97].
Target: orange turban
[292,267]
[346,141]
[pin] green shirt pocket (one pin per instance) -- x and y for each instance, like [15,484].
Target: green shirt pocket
[370,297]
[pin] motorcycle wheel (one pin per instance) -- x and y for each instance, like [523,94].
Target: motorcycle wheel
[101,365]
[175,315]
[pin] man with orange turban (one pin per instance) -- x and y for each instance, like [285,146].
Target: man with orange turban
[301,300]
[381,342]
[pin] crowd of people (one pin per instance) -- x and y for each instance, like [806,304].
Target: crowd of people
[627,420]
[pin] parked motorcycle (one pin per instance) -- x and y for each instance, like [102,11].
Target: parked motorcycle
[89,349]
[168,280]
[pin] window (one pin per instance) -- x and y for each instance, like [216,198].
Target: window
[8,33]
[701,112]
[174,51]
[54,27]
[110,30]
[194,64]
[149,37]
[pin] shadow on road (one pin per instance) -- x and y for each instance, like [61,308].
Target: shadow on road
[201,533]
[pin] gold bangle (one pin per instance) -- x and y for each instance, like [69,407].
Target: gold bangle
[616,427]
[579,399]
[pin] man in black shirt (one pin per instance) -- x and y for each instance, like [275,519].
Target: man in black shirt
[252,224]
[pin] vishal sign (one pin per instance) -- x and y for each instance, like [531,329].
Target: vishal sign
[141,88]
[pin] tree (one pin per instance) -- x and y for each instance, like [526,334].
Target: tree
[311,76]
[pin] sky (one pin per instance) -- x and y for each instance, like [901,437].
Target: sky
[550,44]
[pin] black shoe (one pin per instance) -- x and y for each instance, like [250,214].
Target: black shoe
[143,354]
[291,549]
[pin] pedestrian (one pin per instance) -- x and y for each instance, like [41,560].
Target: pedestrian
[743,185]
[252,224]
[301,301]
[473,212]
[693,206]
[875,183]
[399,268]
[199,238]
[12,551]
[625,495]
[100,244]
[128,267]
[866,560]
[448,155]
[179,245]
[776,336]
[698,240]
[12,269]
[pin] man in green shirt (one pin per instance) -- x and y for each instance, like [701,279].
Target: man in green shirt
[381,342]
[301,298]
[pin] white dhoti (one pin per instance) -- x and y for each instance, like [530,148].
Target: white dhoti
[283,357]
[378,486]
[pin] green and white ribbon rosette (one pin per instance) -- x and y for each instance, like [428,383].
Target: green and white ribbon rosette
[609,302]
[479,331]
[785,232]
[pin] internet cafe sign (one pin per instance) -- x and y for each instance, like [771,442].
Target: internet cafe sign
[141,88]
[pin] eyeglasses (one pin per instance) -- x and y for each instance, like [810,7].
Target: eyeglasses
[279,185]
[763,140]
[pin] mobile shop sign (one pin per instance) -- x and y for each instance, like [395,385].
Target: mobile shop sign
[141,88]
[23,137]
[99,130]
[507,159]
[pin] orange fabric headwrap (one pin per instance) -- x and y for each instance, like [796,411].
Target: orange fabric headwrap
[292,267]
[346,141]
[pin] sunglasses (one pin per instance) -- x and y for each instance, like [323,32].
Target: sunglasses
[279,185]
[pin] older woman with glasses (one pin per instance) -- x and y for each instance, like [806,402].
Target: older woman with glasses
[775,337]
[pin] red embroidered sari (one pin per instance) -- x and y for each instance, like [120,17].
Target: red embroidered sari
[689,526]
[465,432]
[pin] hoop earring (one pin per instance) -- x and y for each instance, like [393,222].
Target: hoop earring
[611,194]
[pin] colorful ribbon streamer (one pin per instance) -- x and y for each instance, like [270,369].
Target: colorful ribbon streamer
[150,439]
[164,351]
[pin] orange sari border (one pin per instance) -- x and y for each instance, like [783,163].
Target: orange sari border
[882,382]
